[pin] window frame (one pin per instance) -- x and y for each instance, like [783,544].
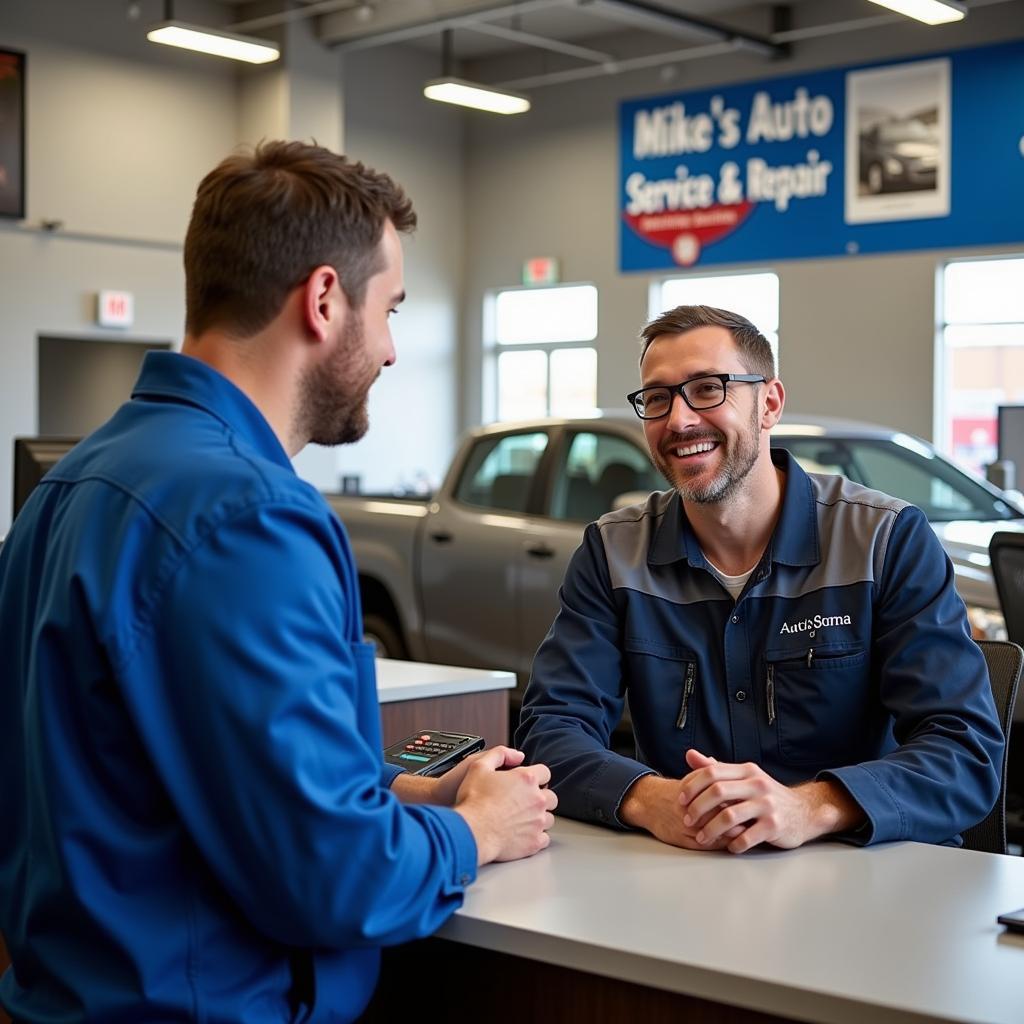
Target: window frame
[493,349]
[942,433]
[655,305]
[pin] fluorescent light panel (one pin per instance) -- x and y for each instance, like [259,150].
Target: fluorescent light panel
[931,12]
[220,44]
[479,97]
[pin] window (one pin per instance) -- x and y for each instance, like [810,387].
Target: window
[755,296]
[598,468]
[981,355]
[545,366]
[499,471]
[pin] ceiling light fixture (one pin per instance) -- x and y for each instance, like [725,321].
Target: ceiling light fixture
[449,89]
[171,32]
[931,12]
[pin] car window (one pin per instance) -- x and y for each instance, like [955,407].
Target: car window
[595,468]
[499,471]
[910,471]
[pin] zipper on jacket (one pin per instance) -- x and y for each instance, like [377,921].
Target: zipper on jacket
[688,685]
[770,694]
[810,656]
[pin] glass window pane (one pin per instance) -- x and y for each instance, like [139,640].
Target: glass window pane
[984,291]
[499,471]
[985,335]
[530,316]
[522,385]
[573,376]
[979,378]
[755,296]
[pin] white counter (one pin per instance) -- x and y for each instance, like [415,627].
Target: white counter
[416,680]
[896,933]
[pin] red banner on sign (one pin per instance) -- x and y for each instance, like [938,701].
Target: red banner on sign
[687,232]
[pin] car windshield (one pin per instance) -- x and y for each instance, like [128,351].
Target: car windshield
[904,468]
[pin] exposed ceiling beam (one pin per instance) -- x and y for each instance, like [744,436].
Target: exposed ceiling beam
[342,33]
[641,14]
[540,42]
[619,66]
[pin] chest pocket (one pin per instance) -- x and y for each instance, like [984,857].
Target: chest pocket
[818,701]
[662,679]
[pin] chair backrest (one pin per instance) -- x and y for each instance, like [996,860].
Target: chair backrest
[1006,553]
[510,491]
[616,478]
[1005,661]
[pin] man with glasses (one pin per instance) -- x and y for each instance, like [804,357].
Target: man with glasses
[796,660]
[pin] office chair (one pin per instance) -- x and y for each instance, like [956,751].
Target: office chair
[1006,553]
[1005,661]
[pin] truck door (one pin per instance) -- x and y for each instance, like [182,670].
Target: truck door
[472,554]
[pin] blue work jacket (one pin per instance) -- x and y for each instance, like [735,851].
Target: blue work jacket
[196,819]
[847,656]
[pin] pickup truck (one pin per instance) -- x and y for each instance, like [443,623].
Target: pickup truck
[470,576]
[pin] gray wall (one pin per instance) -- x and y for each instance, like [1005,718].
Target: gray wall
[544,184]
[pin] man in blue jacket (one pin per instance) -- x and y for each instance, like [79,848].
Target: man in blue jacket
[796,659]
[197,823]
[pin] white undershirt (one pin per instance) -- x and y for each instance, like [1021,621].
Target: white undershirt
[734,584]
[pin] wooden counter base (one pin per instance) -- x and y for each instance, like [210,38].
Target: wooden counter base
[482,714]
[460,982]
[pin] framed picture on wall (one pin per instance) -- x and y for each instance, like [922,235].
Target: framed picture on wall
[898,142]
[12,134]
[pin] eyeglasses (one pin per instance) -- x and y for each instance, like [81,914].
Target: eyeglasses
[699,393]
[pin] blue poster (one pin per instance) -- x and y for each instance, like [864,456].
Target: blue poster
[923,153]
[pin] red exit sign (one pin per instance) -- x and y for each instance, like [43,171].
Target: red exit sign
[115,309]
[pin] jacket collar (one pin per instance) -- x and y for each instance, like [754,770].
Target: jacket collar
[180,378]
[794,541]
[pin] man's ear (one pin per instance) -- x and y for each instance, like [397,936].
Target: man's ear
[774,400]
[324,305]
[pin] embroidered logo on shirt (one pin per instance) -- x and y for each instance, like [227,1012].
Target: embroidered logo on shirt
[818,622]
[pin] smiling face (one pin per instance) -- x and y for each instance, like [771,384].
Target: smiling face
[704,455]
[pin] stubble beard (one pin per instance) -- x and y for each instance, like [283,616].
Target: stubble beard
[333,395]
[736,465]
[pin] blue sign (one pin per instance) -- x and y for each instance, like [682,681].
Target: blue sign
[925,153]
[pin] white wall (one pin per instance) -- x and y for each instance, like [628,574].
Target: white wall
[544,184]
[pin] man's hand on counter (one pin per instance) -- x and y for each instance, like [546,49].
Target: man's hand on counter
[652,803]
[508,811]
[740,806]
[417,789]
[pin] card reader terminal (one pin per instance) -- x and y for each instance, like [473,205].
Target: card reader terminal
[432,752]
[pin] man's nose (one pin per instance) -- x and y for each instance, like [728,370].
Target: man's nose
[680,415]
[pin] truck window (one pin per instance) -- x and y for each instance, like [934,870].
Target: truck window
[596,469]
[499,471]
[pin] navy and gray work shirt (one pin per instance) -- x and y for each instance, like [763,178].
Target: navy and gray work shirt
[197,824]
[847,657]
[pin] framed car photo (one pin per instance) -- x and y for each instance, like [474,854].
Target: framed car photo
[12,134]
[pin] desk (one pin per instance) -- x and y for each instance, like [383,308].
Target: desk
[415,694]
[893,934]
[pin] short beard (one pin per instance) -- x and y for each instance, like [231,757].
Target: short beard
[735,469]
[333,394]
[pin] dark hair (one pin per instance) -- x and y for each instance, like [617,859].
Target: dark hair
[263,221]
[755,351]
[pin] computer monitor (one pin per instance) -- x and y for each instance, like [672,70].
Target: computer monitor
[34,457]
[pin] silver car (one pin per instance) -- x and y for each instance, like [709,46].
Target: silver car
[963,510]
